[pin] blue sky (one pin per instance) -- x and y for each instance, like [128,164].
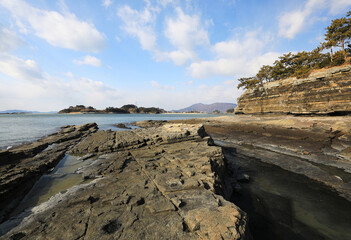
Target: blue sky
[162,53]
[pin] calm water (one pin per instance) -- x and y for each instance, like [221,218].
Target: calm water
[19,128]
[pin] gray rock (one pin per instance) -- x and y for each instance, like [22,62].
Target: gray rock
[22,166]
[154,183]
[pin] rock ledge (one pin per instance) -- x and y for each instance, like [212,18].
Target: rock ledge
[154,183]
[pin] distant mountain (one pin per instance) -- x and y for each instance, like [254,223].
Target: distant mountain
[208,108]
[24,111]
[18,111]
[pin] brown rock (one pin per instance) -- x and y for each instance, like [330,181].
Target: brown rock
[22,166]
[140,189]
[324,92]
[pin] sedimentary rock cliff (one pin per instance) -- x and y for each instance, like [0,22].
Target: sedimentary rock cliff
[323,92]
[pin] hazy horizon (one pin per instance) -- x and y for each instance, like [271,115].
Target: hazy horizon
[161,53]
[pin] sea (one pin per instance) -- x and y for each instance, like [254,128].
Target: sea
[17,129]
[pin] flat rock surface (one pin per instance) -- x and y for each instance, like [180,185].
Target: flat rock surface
[317,147]
[22,166]
[154,183]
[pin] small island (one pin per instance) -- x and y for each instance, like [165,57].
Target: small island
[125,109]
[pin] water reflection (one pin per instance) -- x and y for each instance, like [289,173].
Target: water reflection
[63,177]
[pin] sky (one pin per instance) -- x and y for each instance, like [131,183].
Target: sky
[161,53]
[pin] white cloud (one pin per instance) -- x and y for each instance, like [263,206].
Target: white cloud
[29,87]
[139,24]
[339,6]
[9,40]
[60,30]
[184,32]
[293,22]
[172,99]
[251,43]
[158,85]
[164,3]
[236,57]
[89,60]
[27,70]
[178,57]
[55,94]
[106,3]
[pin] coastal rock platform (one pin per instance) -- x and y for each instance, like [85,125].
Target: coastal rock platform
[22,166]
[316,147]
[163,182]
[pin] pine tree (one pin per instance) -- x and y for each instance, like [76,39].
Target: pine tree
[338,33]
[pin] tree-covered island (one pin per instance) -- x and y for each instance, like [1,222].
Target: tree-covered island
[125,109]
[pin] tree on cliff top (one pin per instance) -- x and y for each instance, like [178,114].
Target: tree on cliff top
[302,63]
[338,33]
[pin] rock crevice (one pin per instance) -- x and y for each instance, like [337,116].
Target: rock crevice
[152,183]
[22,166]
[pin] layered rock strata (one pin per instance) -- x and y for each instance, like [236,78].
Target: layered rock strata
[325,91]
[155,183]
[316,147]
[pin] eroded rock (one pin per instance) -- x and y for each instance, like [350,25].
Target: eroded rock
[22,166]
[317,147]
[326,91]
[155,183]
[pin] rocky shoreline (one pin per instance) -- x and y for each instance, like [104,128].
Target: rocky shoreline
[153,183]
[22,166]
[168,179]
[316,147]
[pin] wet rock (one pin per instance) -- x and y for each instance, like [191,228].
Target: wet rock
[237,188]
[123,126]
[155,183]
[87,156]
[243,177]
[22,166]
[316,147]
[150,123]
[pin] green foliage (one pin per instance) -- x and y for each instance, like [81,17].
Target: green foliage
[338,58]
[115,110]
[130,108]
[248,83]
[216,112]
[150,110]
[338,33]
[302,63]
[78,108]
[289,65]
[231,110]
